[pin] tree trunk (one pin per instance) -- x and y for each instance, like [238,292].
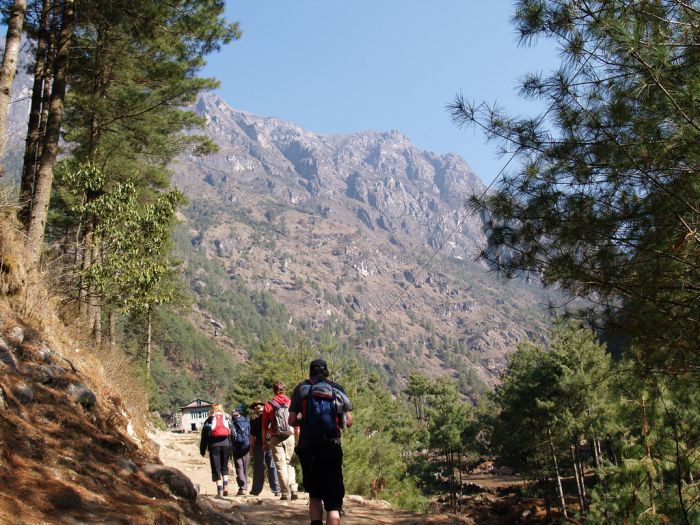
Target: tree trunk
[579,489]
[9,63]
[112,327]
[49,152]
[149,327]
[97,304]
[547,499]
[679,477]
[645,433]
[459,466]
[42,66]
[98,325]
[84,296]
[560,489]
[611,451]
[596,452]
[582,475]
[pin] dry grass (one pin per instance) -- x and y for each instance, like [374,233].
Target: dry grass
[57,459]
[13,272]
[24,286]
[31,292]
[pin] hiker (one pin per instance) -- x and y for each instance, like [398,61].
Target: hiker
[241,447]
[216,436]
[262,456]
[275,421]
[320,408]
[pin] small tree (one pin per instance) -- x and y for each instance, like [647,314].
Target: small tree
[132,238]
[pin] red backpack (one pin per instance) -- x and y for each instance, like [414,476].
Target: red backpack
[220,426]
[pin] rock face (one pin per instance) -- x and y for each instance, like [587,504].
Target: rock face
[381,178]
[350,228]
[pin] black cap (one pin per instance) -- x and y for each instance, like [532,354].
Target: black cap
[317,365]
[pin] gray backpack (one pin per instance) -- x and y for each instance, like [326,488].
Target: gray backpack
[280,420]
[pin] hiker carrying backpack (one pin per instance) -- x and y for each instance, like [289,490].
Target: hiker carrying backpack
[281,439]
[241,439]
[324,409]
[280,419]
[241,447]
[216,437]
[321,409]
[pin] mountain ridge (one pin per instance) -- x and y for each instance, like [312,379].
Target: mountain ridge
[340,228]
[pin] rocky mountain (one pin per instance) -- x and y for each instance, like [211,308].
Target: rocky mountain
[363,231]
[378,181]
[364,234]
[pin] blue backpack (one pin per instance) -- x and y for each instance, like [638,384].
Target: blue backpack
[241,438]
[322,409]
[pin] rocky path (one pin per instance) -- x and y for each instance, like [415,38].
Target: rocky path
[182,452]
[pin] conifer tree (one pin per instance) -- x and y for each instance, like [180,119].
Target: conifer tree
[605,201]
[133,71]
[9,62]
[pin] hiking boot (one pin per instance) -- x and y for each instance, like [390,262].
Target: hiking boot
[284,497]
[225,492]
[294,496]
[241,492]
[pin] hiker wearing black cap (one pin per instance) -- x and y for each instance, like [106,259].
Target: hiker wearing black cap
[262,457]
[321,409]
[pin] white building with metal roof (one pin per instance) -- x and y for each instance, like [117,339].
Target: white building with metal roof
[194,415]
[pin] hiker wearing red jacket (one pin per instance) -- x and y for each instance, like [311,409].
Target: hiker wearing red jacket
[275,422]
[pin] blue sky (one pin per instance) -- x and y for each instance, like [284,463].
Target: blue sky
[343,66]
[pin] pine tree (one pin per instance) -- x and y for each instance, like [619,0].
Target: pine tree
[9,62]
[605,201]
[132,72]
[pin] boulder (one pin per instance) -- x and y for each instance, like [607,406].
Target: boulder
[7,356]
[473,488]
[15,335]
[179,484]
[23,392]
[44,355]
[83,395]
[126,466]
[44,374]
[3,403]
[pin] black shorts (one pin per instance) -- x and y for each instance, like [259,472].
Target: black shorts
[322,470]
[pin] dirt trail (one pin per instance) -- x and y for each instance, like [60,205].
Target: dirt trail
[182,452]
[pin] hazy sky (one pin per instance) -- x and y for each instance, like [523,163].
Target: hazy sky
[335,66]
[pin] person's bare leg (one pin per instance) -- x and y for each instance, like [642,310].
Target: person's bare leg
[333,517]
[315,509]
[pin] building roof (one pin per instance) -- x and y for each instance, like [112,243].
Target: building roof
[197,403]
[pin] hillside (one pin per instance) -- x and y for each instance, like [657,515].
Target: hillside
[75,439]
[73,419]
[363,233]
